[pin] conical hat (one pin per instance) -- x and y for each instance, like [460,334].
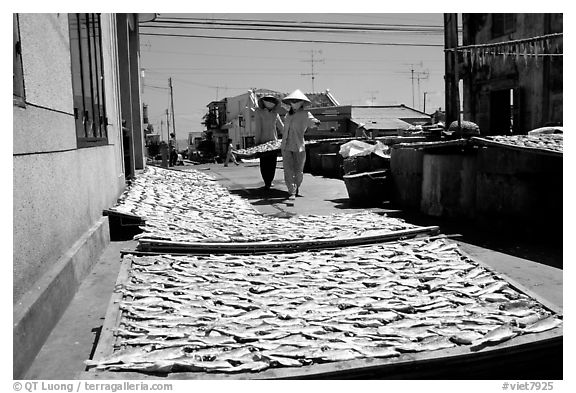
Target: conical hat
[296,95]
[268,97]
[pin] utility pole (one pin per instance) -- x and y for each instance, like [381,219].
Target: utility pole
[172,105]
[312,61]
[412,78]
[451,77]
[421,75]
[167,125]
[425,93]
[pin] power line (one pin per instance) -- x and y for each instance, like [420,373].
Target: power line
[301,28]
[289,40]
[155,87]
[280,58]
[223,20]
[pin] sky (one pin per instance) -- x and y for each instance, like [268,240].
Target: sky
[204,70]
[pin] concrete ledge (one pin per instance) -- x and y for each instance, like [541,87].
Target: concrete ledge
[36,314]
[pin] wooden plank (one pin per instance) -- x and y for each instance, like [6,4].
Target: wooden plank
[299,245]
[432,145]
[136,252]
[113,316]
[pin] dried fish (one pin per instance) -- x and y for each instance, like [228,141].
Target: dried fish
[379,352]
[123,356]
[285,362]
[433,344]
[543,325]
[528,320]
[498,335]
[466,337]
[231,313]
[249,366]
[339,355]
[147,367]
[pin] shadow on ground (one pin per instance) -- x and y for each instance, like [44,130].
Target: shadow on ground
[508,240]
[259,193]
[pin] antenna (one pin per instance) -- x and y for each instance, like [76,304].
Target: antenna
[312,61]
[372,97]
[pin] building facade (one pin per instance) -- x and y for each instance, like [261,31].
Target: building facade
[77,137]
[512,71]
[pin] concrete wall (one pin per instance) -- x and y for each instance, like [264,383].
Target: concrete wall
[520,188]
[497,188]
[448,185]
[59,191]
[406,177]
[239,106]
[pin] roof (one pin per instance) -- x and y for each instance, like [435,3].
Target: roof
[382,124]
[216,103]
[321,99]
[263,92]
[395,117]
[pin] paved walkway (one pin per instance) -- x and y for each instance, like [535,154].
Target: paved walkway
[76,335]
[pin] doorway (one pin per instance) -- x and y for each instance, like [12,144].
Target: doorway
[504,112]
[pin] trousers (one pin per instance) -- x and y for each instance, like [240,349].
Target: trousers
[173,157]
[230,157]
[293,163]
[268,167]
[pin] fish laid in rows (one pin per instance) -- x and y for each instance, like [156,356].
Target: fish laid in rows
[235,313]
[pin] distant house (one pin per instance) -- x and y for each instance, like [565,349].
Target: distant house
[512,71]
[215,121]
[342,121]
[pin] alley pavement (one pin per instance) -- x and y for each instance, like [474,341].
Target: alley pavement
[74,339]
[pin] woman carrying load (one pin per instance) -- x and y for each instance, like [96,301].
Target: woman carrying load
[268,125]
[296,122]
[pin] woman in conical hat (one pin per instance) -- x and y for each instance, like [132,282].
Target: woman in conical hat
[297,121]
[268,125]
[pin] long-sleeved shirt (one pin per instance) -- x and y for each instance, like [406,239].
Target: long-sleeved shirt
[295,125]
[268,124]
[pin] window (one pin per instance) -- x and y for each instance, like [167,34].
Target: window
[88,79]
[18,74]
[503,24]
[248,142]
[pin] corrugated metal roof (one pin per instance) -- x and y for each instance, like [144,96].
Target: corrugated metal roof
[396,111]
[381,124]
[386,117]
